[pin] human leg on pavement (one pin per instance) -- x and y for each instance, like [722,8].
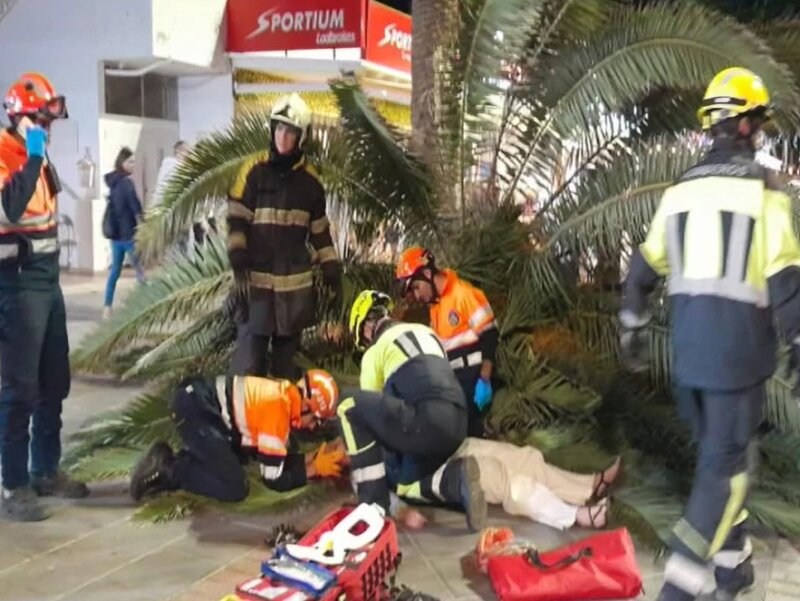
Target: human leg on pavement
[725,425]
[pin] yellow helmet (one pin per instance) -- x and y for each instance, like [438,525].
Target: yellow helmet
[293,111]
[733,92]
[370,304]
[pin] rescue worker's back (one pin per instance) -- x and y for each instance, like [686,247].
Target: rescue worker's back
[723,236]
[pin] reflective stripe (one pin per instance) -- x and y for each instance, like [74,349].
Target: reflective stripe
[690,537]
[237,209]
[475,358]
[39,246]
[319,225]
[487,326]
[674,246]
[689,576]
[237,240]
[271,472]
[326,254]
[730,560]
[281,283]
[407,345]
[722,288]
[239,412]
[738,247]
[222,399]
[459,340]
[436,482]
[7,251]
[37,221]
[369,473]
[271,443]
[272,216]
[479,316]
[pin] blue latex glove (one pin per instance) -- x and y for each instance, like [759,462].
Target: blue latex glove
[483,393]
[35,140]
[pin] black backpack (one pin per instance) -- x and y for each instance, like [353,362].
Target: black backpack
[110,226]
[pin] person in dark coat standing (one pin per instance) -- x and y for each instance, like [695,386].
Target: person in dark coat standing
[276,209]
[127,211]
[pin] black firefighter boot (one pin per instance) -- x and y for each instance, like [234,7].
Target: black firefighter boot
[461,485]
[153,474]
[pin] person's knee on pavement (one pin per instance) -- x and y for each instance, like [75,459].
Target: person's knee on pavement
[237,489]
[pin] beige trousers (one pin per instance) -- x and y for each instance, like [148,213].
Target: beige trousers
[519,479]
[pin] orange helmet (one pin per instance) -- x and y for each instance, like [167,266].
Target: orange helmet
[33,94]
[321,393]
[411,262]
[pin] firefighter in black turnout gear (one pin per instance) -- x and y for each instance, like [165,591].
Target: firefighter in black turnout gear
[276,208]
[34,351]
[723,238]
[411,410]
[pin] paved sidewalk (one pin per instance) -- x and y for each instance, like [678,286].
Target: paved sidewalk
[93,551]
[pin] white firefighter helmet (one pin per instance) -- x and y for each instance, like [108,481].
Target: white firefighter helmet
[294,111]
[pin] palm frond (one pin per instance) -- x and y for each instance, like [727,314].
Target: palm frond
[142,421]
[473,87]
[106,464]
[182,504]
[776,514]
[394,187]
[201,181]
[612,210]
[782,408]
[173,297]
[662,45]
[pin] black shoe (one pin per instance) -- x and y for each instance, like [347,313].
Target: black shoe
[732,583]
[153,473]
[472,498]
[21,505]
[59,485]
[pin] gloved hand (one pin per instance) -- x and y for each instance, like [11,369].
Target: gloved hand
[483,393]
[328,461]
[634,342]
[35,141]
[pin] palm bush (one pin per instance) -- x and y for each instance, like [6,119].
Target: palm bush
[583,105]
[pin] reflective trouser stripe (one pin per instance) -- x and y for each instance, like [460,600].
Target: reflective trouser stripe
[732,559]
[689,576]
[368,472]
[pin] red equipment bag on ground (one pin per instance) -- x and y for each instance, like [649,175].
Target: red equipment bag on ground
[362,577]
[597,568]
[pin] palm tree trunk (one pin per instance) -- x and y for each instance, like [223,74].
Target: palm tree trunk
[430,30]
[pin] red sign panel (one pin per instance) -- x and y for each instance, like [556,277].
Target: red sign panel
[259,25]
[388,37]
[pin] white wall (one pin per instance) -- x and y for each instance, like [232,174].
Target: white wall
[205,104]
[68,41]
[187,30]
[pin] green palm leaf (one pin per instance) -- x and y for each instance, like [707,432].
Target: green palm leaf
[202,181]
[368,167]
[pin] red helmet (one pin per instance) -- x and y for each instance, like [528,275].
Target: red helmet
[321,393]
[33,94]
[411,262]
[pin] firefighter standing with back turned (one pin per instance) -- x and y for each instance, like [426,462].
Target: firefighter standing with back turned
[34,351]
[463,319]
[276,209]
[723,238]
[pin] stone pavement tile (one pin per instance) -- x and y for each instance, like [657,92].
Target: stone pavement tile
[155,577]
[88,559]
[223,581]
[68,525]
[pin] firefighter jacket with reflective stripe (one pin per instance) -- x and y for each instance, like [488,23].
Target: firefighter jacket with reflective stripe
[464,321]
[723,238]
[407,360]
[274,212]
[261,413]
[28,220]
